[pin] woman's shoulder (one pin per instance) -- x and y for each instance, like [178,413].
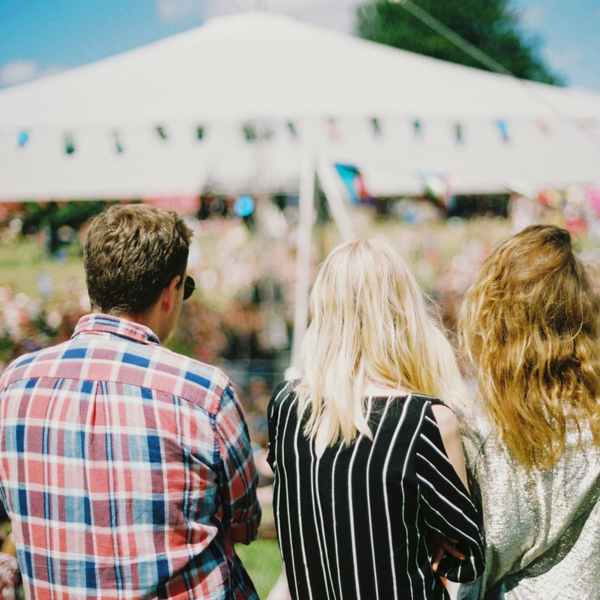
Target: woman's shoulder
[283,393]
[478,436]
[430,406]
[446,420]
[437,418]
[444,427]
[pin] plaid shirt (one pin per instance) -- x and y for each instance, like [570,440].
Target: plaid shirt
[126,469]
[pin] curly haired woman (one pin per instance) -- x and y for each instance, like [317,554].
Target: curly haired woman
[530,324]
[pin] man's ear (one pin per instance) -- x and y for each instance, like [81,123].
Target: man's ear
[169,293]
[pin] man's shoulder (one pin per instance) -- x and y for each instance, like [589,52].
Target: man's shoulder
[127,362]
[197,381]
[20,367]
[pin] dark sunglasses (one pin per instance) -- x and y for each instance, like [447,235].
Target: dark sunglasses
[189,285]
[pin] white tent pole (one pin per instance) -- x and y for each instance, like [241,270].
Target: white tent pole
[334,199]
[303,246]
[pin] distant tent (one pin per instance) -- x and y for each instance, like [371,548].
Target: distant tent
[235,104]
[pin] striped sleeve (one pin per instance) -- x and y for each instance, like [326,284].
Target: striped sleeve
[447,506]
[280,392]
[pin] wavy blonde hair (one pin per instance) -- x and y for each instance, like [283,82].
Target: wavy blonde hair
[369,323]
[530,324]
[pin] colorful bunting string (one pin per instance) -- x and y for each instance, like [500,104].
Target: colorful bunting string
[259,132]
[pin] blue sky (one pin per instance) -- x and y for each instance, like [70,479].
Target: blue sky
[39,37]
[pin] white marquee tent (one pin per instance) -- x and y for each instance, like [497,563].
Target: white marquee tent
[294,90]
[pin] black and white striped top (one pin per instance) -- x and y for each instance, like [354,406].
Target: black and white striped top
[359,521]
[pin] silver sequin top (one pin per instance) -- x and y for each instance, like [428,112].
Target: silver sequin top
[542,528]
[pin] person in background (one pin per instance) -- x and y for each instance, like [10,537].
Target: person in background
[530,324]
[126,469]
[370,478]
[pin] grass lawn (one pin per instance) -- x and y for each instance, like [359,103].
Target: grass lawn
[263,562]
[22,263]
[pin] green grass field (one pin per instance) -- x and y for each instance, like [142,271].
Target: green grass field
[22,264]
[263,562]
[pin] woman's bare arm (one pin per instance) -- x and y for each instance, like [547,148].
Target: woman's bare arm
[450,432]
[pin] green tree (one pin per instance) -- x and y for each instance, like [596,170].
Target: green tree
[491,26]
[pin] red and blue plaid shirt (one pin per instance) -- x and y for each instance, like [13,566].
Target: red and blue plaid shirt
[126,469]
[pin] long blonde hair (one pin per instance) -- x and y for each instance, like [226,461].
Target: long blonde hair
[530,324]
[369,322]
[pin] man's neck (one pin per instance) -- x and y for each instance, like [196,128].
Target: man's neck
[150,319]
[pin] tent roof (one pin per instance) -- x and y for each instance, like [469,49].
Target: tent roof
[271,69]
[266,65]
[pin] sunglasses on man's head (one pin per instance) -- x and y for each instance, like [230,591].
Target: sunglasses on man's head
[189,285]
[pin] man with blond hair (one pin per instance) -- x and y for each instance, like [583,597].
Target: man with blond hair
[127,469]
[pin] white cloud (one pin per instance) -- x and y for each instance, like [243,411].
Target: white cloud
[18,71]
[533,16]
[566,59]
[178,10]
[334,14]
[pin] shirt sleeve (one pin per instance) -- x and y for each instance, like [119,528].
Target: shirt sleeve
[238,478]
[447,505]
[281,392]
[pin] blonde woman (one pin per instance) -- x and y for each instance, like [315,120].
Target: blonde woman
[369,468]
[531,325]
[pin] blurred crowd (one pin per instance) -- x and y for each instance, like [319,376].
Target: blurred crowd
[242,316]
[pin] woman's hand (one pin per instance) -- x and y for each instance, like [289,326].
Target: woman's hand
[442,545]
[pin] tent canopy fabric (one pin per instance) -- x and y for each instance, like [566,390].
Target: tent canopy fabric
[300,89]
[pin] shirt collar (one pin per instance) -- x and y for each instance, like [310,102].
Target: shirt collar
[99,323]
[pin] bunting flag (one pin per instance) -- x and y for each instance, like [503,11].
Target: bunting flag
[332,129]
[376,126]
[69,143]
[117,140]
[354,182]
[23,138]
[250,132]
[458,130]
[543,127]
[502,127]
[292,129]
[439,187]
